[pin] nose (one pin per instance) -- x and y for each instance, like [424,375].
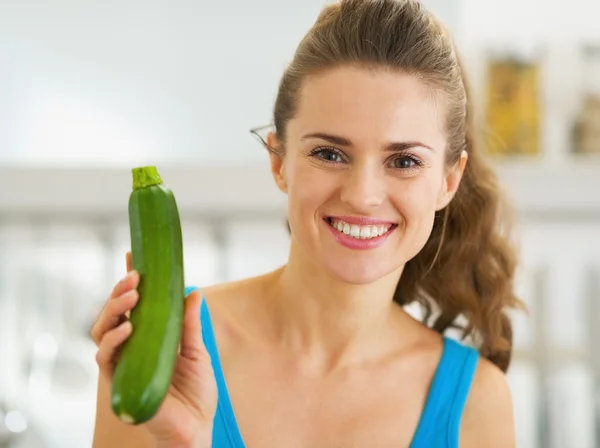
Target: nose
[363,188]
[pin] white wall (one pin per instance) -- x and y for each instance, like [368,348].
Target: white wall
[128,82]
[118,81]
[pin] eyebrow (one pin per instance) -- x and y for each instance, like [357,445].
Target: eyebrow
[342,141]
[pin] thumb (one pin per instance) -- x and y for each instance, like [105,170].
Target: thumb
[192,346]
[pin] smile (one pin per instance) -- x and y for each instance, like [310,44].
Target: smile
[360,232]
[369,234]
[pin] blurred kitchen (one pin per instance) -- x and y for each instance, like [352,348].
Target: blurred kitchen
[89,90]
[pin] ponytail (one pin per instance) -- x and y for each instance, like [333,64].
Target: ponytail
[467,267]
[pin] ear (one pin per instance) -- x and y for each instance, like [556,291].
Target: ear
[451,182]
[276,158]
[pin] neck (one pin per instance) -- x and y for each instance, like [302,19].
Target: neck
[327,322]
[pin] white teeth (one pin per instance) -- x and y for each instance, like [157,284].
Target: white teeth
[359,232]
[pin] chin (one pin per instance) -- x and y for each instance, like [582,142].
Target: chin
[354,273]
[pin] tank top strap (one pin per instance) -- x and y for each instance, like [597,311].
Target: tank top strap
[226,433]
[440,421]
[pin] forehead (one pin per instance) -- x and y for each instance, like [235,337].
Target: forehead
[364,104]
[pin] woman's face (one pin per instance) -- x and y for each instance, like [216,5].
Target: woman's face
[364,171]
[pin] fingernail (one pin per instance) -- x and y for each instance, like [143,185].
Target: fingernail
[126,326]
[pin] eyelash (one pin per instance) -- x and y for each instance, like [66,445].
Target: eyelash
[315,153]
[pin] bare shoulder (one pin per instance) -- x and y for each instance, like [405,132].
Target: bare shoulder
[488,414]
[235,307]
[224,298]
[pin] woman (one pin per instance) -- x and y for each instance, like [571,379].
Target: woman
[390,203]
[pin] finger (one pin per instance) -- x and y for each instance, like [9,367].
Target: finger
[113,314]
[127,283]
[192,346]
[128,262]
[109,346]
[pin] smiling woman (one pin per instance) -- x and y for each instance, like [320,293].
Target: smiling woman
[390,202]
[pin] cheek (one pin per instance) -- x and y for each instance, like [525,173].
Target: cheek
[417,203]
[416,206]
[308,187]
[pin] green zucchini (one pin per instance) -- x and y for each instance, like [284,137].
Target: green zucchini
[145,366]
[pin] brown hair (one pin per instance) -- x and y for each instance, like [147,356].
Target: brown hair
[467,266]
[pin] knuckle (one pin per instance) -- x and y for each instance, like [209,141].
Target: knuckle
[115,307]
[202,354]
[104,349]
[94,334]
[115,290]
[118,286]
[99,358]
[110,307]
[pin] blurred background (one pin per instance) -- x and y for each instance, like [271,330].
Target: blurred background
[90,89]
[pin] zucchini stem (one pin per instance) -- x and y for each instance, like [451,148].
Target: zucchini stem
[145,176]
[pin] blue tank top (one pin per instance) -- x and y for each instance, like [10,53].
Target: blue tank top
[440,420]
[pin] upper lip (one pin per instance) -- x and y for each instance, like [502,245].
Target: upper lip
[362,220]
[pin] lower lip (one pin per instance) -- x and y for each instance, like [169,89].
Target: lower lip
[355,243]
